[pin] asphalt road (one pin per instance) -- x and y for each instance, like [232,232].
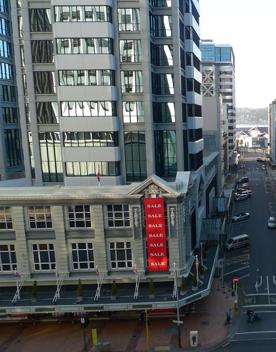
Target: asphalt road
[256,263]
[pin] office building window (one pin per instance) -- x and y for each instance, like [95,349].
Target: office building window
[5,49]
[165,153]
[92,168]
[4,7]
[69,46]
[47,113]
[90,139]
[196,160]
[129,20]
[13,147]
[42,51]
[120,255]
[6,71]
[40,20]
[44,82]
[161,26]
[5,218]
[161,3]
[162,55]
[86,77]
[162,84]
[4,27]
[118,215]
[135,153]
[7,258]
[163,112]
[82,256]
[94,13]
[79,216]
[133,111]
[10,115]
[39,217]
[130,50]
[50,153]
[8,93]
[88,108]
[44,257]
[131,81]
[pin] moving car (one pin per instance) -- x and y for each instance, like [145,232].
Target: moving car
[244,191]
[237,242]
[271,223]
[240,217]
[239,197]
[244,185]
[243,179]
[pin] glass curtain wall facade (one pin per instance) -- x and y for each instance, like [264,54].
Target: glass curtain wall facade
[11,165]
[219,61]
[108,99]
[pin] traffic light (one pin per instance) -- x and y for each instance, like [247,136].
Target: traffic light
[235,282]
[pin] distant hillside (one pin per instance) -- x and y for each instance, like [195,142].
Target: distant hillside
[246,116]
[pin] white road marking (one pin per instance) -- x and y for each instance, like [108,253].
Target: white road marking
[256,332]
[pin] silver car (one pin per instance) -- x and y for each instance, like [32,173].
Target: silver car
[271,223]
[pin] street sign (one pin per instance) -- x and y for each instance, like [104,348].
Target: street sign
[178,321]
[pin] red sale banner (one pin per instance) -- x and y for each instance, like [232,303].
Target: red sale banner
[156,234]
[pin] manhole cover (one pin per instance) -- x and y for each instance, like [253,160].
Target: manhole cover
[204,322]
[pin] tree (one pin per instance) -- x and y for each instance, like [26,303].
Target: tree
[151,287]
[114,289]
[34,291]
[79,289]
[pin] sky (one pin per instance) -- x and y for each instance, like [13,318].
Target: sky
[249,26]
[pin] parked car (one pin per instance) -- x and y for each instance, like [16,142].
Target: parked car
[237,242]
[239,197]
[259,159]
[243,179]
[240,217]
[271,222]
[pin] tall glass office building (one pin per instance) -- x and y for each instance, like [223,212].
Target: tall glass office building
[11,165]
[109,87]
[218,67]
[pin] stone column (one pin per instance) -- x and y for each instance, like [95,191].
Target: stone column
[99,243]
[23,256]
[61,252]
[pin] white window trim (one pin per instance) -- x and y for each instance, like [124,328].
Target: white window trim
[67,220]
[109,256]
[70,251]
[3,272]
[28,223]
[34,270]
[107,219]
[6,222]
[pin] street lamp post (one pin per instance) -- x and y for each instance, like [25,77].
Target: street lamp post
[177,321]
[83,325]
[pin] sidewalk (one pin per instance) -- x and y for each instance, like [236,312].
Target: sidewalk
[208,319]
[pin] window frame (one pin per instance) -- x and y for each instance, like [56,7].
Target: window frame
[127,248]
[76,219]
[10,254]
[50,251]
[91,265]
[126,220]
[47,218]
[7,219]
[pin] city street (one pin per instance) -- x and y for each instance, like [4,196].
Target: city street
[253,265]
